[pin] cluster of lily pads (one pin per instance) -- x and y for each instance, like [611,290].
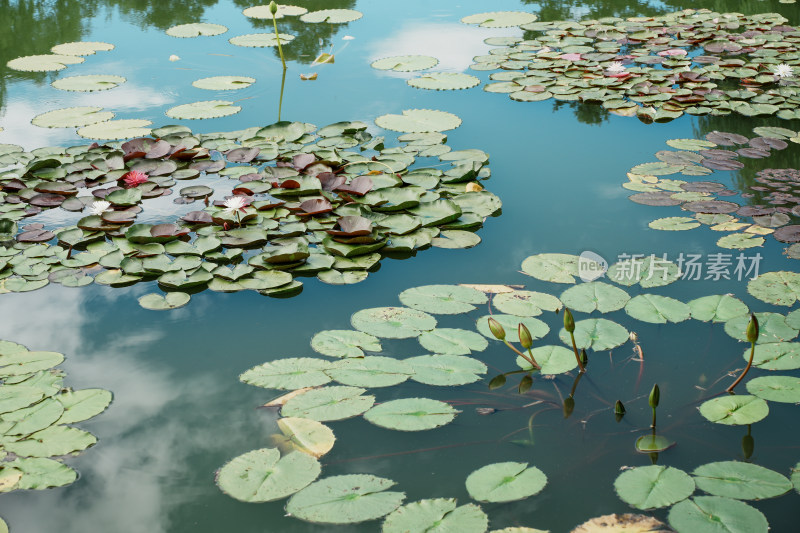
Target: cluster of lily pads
[291,201]
[774,199]
[36,413]
[698,62]
[347,382]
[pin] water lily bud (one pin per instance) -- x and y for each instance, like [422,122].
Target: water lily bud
[496,329]
[752,329]
[525,384]
[525,338]
[619,409]
[584,357]
[569,322]
[497,382]
[569,406]
[655,395]
[273,7]
[748,445]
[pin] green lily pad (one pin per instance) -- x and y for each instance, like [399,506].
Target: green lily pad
[196,29]
[741,481]
[419,121]
[83,404]
[657,309]
[740,241]
[445,370]
[777,288]
[263,12]
[411,414]
[55,440]
[510,323]
[332,16]
[444,81]
[717,308]
[34,418]
[260,40]
[772,327]
[264,476]
[440,514]
[82,48]
[595,296]
[72,117]
[690,144]
[712,514]
[370,371]
[43,63]
[648,272]
[224,83]
[784,389]
[653,443]
[344,343]
[505,482]
[347,499]
[18,363]
[599,334]
[452,341]
[336,402]
[163,302]
[392,322]
[205,109]
[116,129]
[454,239]
[735,410]
[776,356]
[39,473]
[651,487]
[552,360]
[92,82]
[442,299]
[500,19]
[288,374]
[674,224]
[557,268]
[525,303]
[405,63]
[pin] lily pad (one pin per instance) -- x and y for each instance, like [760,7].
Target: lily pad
[651,487]
[346,499]
[163,302]
[205,109]
[674,224]
[505,482]
[82,48]
[263,11]
[411,414]
[72,117]
[735,410]
[116,129]
[370,371]
[712,514]
[452,341]
[510,323]
[784,389]
[440,514]
[336,402]
[52,441]
[717,308]
[595,296]
[778,288]
[741,481]
[344,343]
[657,309]
[405,63]
[260,40]
[525,303]
[224,83]
[43,63]
[92,82]
[621,523]
[307,436]
[557,268]
[288,374]
[196,29]
[445,370]
[500,19]
[392,322]
[332,16]
[442,299]
[444,81]
[552,360]
[419,121]
[264,476]
[772,327]
[599,334]
[83,404]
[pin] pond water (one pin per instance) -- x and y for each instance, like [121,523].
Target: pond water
[180,411]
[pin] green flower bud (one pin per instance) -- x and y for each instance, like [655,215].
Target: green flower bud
[584,357]
[496,329]
[525,384]
[752,329]
[619,409]
[497,381]
[569,322]
[655,395]
[569,406]
[525,338]
[273,7]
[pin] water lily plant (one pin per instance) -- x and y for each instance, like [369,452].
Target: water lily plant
[99,207]
[134,178]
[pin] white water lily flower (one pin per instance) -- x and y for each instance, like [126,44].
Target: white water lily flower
[783,71]
[173,57]
[235,203]
[99,207]
[348,38]
[616,66]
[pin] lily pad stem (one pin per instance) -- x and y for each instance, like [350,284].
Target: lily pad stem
[530,359]
[744,373]
[278,38]
[577,355]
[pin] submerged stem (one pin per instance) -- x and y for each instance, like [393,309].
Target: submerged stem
[744,373]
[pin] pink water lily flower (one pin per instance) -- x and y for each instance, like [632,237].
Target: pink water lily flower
[134,178]
[672,52]
[571,57]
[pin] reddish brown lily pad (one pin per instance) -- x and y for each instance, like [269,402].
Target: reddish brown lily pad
[726,139]
[351,226]
[197,217]
[711,206]
[787,234]
[47,200]
[660,198]
[316,206]
[358,186]
[754,210]
[36,235]
[722,164]
[703,186]
[168,230]
[768,143]
[242,155]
